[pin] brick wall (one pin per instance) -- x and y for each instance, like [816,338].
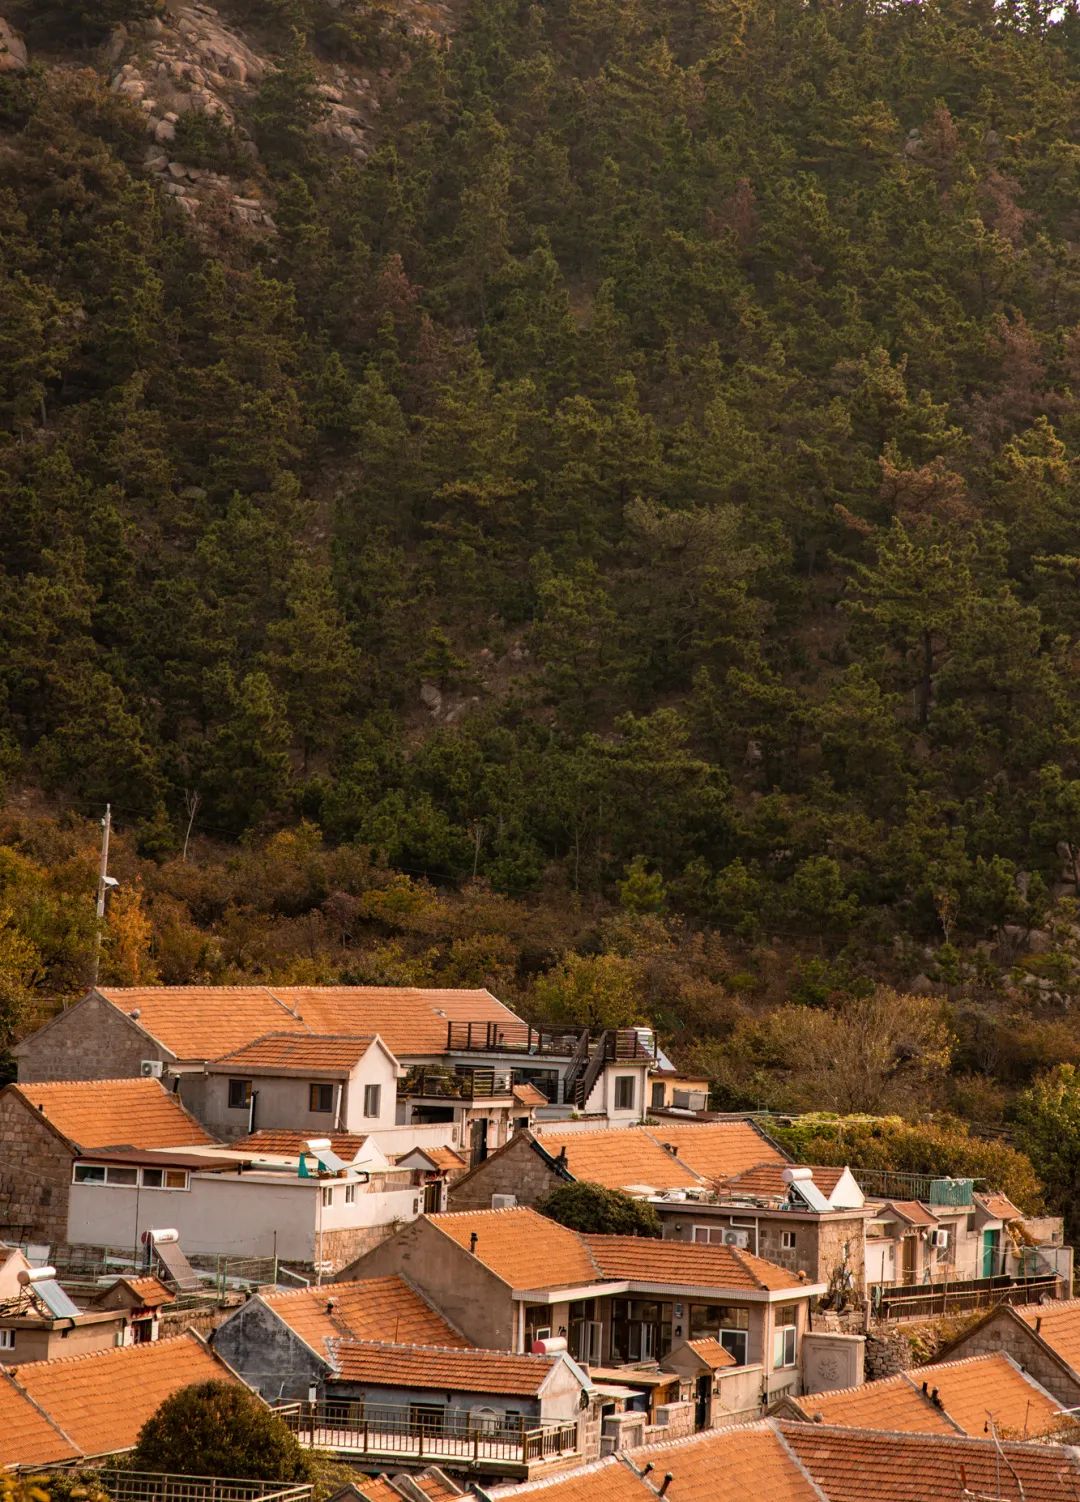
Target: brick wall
[1005,1333]
[518,1169]
[92,1041]
[35,1175]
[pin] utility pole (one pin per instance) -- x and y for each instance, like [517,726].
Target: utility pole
[103,886]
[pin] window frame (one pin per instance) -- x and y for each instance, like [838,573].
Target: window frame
[372,1095]
[327,1196]
[233,1092]
[787,1241]
[624,1083]
[350,1194]
[785,1336]
[7,1340]
[316,1089]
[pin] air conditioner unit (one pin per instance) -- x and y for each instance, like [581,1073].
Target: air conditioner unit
[737,1238]
[503,1201]
[939,1238]
[150,1069]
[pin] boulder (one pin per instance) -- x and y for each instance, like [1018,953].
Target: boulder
[13,55]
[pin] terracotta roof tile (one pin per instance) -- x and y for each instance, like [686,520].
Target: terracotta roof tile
[712,1352]
[717,1149]
[1059,1326]
[204,1022]
[860,1465]
[617,1158]
[275,1142]
[893,1403]
[446,1158]
[368,1309]
[115,1113]
[1000,1206]
[376,1489]
[609,1480]
[767,1179]
[383,1364]
[915,1213]
[296,1053]
[694,1264]
[102,1400]
[528,1095]
[26,1436]
[150,1292]
[436,1486]
[523,1248]
[729,1465]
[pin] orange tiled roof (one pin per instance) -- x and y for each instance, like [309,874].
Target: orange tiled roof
[102,1400]
[436,1485]
[913,1211]
[278,1142]
[717,1149]
[368,1309]
[768,1179]
[1000,1206]
[729,1465]
[522,1247]
[856,1465]
[26,1436]
[373,1489]
[617,1158]
[297,1053]
[114,1113]
[693,1264]
[150,1292]
[711,1352]
[457,1370]
[894,1403]
[445,1158]
[529,1095]
[1059,1325]
[204,1022]
[610,1480]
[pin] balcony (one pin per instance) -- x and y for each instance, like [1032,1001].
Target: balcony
[938,1193]
[154,1486]
[387,1432]
[618,1045]
[432,1083]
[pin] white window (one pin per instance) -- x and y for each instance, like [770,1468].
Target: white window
[328,1196]
[7,1340]
[89,1173]
[709,1234]
[784,1333]
[624,1092]
[350,1194]
[372,1099]
[787,1241]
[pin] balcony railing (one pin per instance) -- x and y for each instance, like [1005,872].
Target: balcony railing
[921,1300]
[155,1486]
[385,1429]
[930,1189]
[456,1084]
[619,1044]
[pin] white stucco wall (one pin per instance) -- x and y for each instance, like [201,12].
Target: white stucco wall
[283,1102]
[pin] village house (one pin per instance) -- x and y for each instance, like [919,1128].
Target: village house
[431,1484]
[282,1342]
[512,1279]
[90,1406]
[670,1090]
[467,1058]
[638,1159]
[39,1321]
[1043,1339]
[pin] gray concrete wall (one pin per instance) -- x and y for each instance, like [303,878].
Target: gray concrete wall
[473,1299]
[92,1041]
[267,1354]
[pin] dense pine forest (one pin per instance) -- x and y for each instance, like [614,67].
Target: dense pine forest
[613,539]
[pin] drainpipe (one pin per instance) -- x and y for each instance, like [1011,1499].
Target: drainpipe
[337,1107]
[252,1098]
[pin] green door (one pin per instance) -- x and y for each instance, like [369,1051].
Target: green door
[990,1253]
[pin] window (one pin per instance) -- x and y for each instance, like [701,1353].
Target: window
[640,1330]
[7,1340]
[176,1178]
[537,1323]
[153,1178]
[372,1099]
[350,1194]
[784,1332]
[164,1178]
[624,1092]
[658,1093]
[239,1095]
[727,1323]
[710,1234]
[320,1097]
[126,1178]
[328,1196]
[95,1173]
[88,1173]
[787,1241]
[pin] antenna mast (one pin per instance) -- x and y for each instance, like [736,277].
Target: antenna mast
[103,886]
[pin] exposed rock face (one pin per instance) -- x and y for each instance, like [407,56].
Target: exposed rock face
[13,57]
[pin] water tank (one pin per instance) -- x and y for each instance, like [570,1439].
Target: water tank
[551,1345]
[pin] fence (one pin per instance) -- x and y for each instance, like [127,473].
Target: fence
[460,1084]
[424,1433]
[90,1265]
[919,1300]
[154,1486]
[931,1189]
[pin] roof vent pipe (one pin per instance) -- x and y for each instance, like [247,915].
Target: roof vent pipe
[668,1479]
[473,1239]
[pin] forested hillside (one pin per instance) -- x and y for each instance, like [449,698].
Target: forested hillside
[635,493]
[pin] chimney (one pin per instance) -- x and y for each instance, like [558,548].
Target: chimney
[1038,1324]
[668,1479]
[561,1159]
[935,1399]
[473,1239]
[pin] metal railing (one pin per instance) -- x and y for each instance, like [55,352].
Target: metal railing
[455,1084]
[929,1188]
[921,1300]
[384,1429]
[623,1043]
[156,1486]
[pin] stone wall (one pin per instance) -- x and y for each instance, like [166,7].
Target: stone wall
[1006,1332]
[35,1175]
[262,1349]
[91,1041]
[339,1248]
[517,1169]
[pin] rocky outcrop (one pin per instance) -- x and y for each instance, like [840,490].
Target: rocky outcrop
[13,56]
